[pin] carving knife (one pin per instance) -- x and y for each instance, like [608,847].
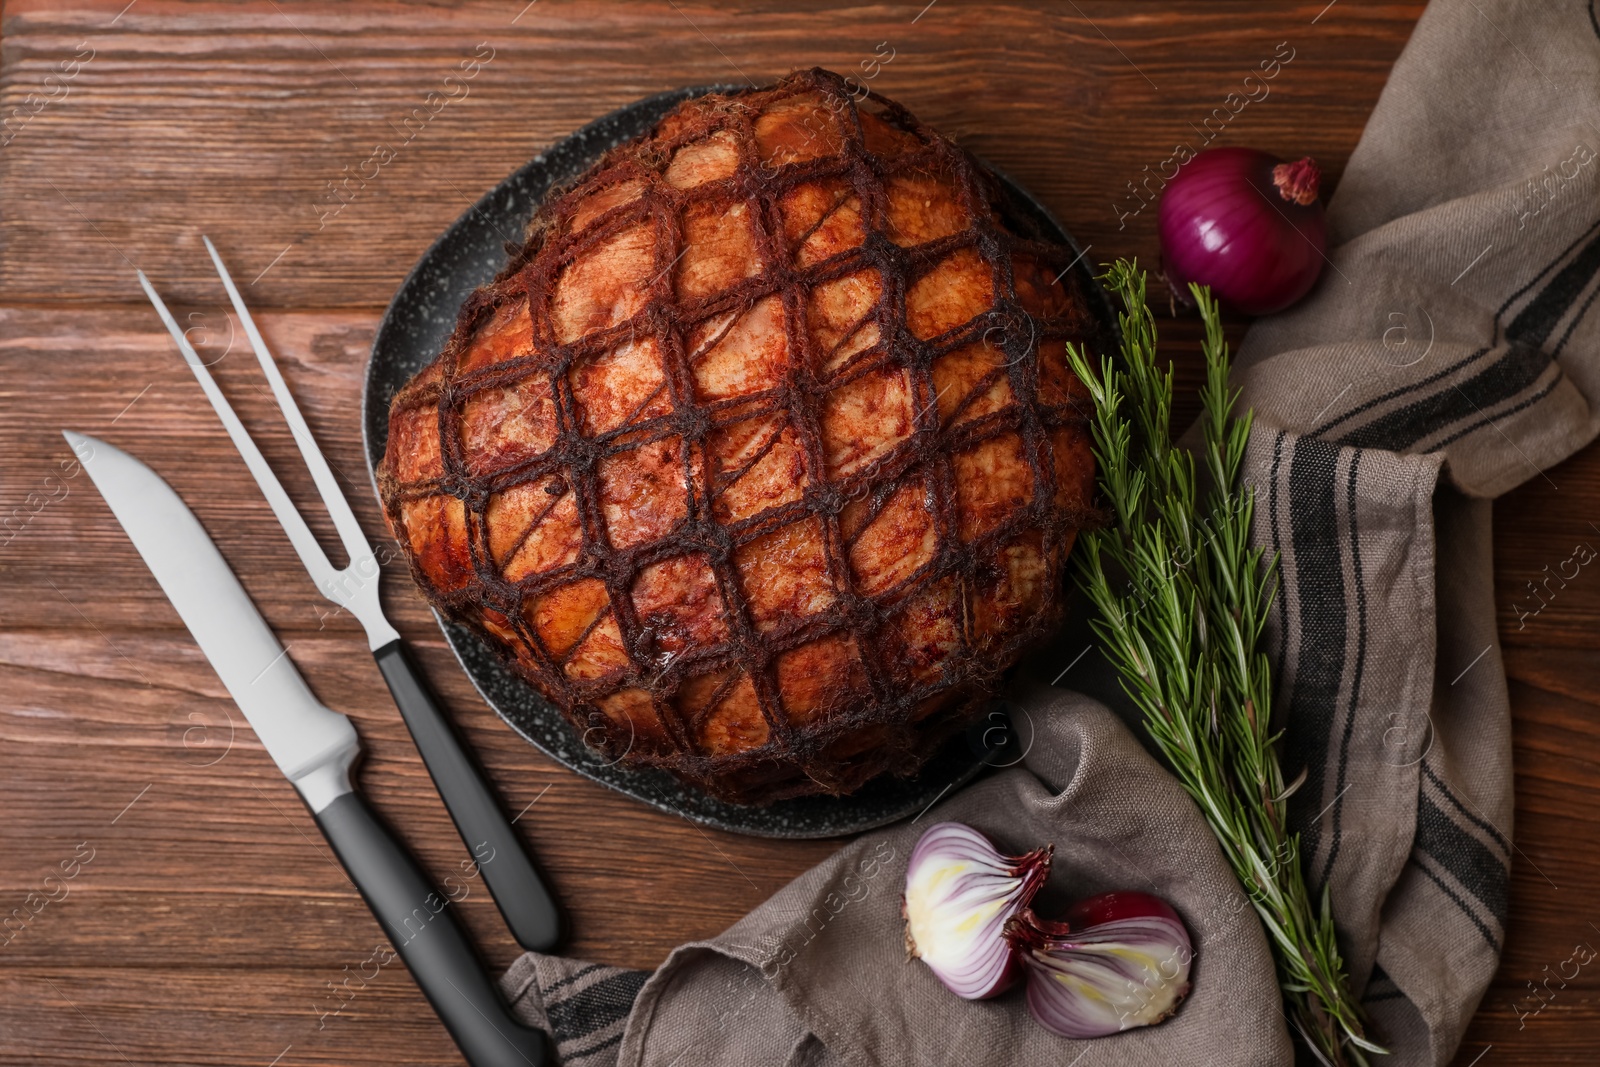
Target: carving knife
[314,747]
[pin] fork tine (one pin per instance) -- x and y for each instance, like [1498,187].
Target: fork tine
[344,519]
[311,554]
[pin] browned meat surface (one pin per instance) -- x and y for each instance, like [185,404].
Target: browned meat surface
[761,460]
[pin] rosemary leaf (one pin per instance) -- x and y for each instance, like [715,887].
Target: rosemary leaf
[1182,621]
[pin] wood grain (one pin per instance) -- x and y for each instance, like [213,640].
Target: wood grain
[209,921]
[179,120]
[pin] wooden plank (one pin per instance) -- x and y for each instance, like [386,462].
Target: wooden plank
[1544,531]
[140,394]
[210,1015]
[1554,873]
[172,792]
[183,122]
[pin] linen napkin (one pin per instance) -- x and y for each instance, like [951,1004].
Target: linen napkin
[1446,355]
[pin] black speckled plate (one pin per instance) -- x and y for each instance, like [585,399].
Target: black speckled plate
[414,330]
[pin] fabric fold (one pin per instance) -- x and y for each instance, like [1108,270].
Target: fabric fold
[819,973]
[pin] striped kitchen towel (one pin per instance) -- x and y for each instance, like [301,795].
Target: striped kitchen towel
[582,1006]
[1448,354]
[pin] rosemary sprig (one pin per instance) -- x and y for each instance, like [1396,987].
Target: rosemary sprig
[1184,629]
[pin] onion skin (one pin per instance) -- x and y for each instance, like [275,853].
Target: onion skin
[960,895]
[1129,967]
[1225,222]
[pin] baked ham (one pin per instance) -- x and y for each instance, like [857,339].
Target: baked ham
[762,458]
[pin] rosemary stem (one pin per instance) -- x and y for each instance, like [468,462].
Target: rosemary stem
[1184,637]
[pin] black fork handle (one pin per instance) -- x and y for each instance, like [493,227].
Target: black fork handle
[529,910]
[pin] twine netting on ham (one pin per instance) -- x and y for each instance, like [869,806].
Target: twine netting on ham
[761,459]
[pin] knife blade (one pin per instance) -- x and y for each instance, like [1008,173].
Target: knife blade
[314,747]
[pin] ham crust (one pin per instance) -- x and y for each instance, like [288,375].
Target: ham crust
[762,460]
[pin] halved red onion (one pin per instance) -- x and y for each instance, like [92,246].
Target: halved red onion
[960,894]
[1126,965]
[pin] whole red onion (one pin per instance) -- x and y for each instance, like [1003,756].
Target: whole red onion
[1247,225]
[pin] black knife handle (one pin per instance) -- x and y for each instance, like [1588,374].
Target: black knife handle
[529,910]
[427,937]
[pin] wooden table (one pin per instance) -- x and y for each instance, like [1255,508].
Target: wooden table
[210,925]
